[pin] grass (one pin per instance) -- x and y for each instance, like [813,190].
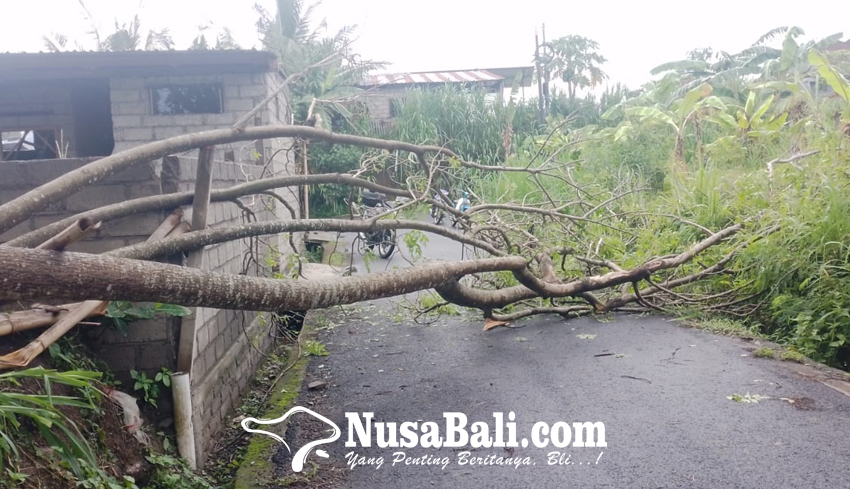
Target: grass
[315,348]
[765,353]
[723,326]
[792,356]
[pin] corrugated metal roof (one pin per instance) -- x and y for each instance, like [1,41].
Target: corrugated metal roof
[467,76]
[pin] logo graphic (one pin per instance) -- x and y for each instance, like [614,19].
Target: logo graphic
[458,432]
[301,455]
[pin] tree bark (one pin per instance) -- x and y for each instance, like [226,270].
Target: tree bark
[36,275]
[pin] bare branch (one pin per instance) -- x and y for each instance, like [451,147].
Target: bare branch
[790,160]
[170,201]
[198,239]
[21,208]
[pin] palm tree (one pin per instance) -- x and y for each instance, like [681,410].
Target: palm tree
[129,38]
[299,46]
[223,40]
[126,37]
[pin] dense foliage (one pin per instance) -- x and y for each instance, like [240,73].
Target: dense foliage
[702,147]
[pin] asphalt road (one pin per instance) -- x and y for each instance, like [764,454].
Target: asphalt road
[660,389]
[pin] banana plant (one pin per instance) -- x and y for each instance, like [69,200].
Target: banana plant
[833,78]
[751,120]
[793,62]
[689,110]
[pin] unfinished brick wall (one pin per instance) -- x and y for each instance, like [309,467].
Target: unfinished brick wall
[149,345]
[228,344]
[19,177]
[134,122]
[224,360]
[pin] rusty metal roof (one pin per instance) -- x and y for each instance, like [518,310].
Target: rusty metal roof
[425,77]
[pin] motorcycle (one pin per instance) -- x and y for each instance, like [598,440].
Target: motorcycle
[462,205]
[374,203]
[438,214]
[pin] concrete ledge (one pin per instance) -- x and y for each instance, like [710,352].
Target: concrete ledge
[257,470]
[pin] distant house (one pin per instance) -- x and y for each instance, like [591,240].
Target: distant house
[384,91]
[83,104]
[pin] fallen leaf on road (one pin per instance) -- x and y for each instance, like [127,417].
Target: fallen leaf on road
[492,323]
[747,398]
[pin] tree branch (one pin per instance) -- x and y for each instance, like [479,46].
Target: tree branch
[21,208]
[198,239]
[170,201]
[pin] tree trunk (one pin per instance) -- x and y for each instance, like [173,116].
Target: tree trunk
[37,275]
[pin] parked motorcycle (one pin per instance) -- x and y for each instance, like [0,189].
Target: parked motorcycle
[374,203]
[462,205]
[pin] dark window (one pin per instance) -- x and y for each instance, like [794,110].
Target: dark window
[201,98]
[30,144]
[92,109]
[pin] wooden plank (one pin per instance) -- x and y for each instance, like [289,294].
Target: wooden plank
[200,208]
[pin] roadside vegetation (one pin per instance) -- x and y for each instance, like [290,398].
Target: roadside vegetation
[759,137]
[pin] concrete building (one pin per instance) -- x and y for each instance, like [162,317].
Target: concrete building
[60,111]
[84,104]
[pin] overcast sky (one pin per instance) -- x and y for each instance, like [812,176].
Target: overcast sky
[635,36]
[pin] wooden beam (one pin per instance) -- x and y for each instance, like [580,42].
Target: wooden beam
[200,209]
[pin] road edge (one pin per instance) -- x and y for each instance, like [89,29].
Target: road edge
[257,470]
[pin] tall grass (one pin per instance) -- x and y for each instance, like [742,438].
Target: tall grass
[468,121]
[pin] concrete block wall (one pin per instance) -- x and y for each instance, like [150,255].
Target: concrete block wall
[225,360]
[134,122]
[38,105]
[227,343]
[19,177]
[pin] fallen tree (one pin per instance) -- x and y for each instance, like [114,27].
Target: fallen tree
[507,237]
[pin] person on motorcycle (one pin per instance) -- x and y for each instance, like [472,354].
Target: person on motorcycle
[436,213]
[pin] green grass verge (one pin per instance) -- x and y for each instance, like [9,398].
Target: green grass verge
[257,471]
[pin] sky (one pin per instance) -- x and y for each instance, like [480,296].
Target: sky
[634,36]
